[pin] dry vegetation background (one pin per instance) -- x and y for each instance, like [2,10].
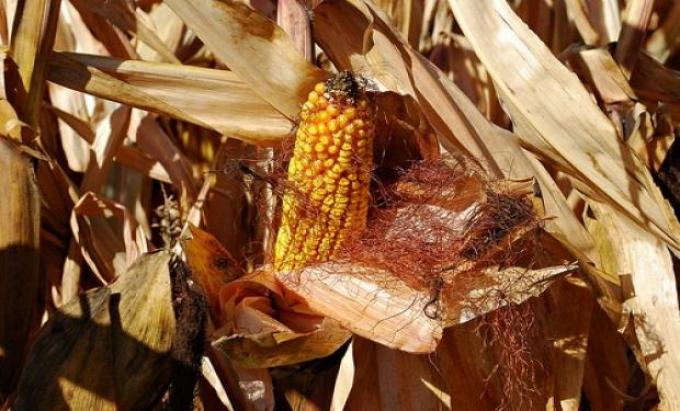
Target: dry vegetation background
[522,239]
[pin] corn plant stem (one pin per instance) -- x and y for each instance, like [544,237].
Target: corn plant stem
[32,40]
[19,261]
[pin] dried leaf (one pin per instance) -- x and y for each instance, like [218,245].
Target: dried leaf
[577,10]
[568,330]
[152,139]
[108,349]
[386,379]
[665,39]
[109,137]
[122,15]
[254,48]
[169,28]
[257,386]
[655,82]
[198,95]
[599,70]
[634,24]
[113,38]
[344,379]
[106,252]
[557,118]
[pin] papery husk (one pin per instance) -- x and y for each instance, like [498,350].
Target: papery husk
[265,325]
[108,349]
[294,348]
[19,261]
[464,372]
[378,306]
[373,304]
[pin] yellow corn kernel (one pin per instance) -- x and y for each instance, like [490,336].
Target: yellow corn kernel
[327,195]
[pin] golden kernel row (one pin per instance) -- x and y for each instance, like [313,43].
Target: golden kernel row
[329,175]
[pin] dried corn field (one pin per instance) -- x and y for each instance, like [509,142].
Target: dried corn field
[339,205]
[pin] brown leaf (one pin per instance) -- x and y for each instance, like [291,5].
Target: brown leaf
[568,330]
[107,253]
[385,379]
[126,18]
[665,40]
[655,82]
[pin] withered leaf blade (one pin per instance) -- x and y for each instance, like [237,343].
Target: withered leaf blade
[254,48]
[107,349]
[216,99]
[557,119]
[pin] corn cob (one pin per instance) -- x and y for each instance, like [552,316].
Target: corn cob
[327,194]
